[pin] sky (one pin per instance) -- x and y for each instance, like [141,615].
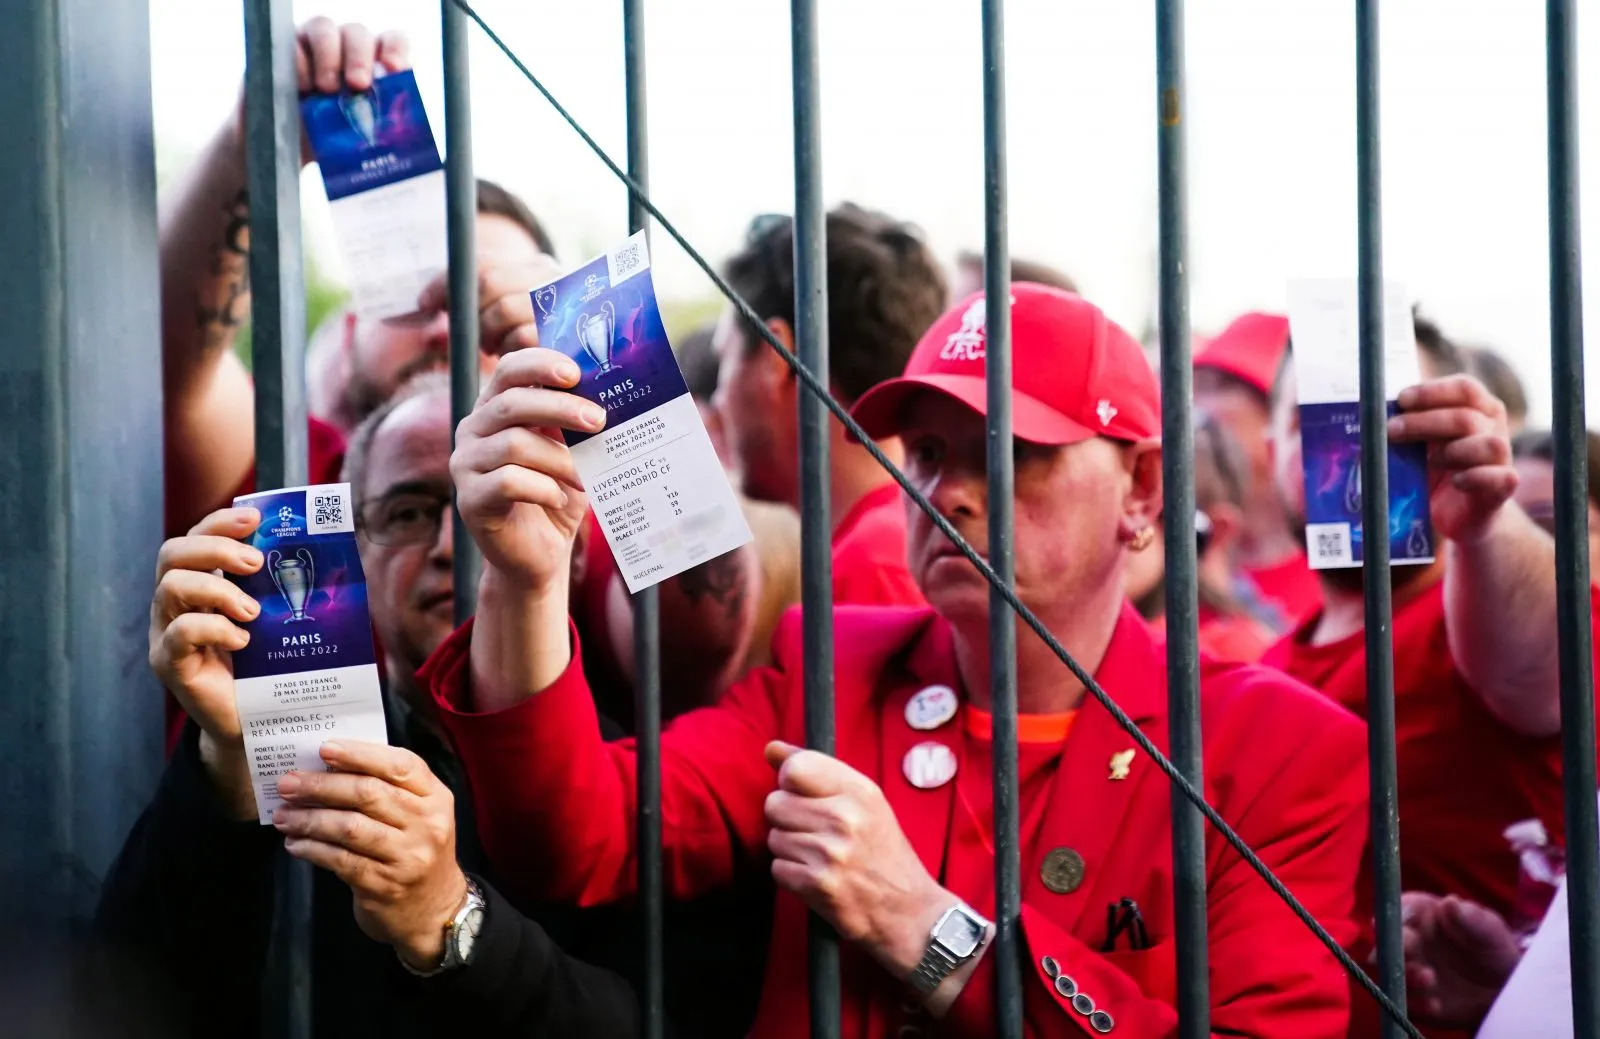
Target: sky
[1271,138]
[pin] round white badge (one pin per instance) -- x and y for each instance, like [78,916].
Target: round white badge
[929,765]
[931,708]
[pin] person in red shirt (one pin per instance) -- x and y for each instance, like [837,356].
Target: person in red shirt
[1229,628]
[208,398]
[1233,376]
[1477,706]
[884,289]
[890,841]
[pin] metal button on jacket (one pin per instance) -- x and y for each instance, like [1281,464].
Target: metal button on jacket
[1083,1004]
[1100,1021]
[1062,871]
[1052,969]
[1066,986]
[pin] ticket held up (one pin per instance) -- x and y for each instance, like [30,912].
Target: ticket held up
[1324,327]
[653,476]
[309,673]
[385,183]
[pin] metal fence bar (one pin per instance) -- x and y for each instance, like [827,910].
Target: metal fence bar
[1007,952]
[1571,501]
[1177,464]
[818,389]
[816,520]
[461,201]
[1385,839]
[277,328]
[647,603]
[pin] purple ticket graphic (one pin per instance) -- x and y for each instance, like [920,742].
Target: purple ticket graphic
[1330,439]
[309,672]
[385,184]
[366,139]
[652,474]
[1324,327]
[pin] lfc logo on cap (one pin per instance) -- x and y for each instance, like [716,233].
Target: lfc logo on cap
[967,342]
[929,765]
[1106,410]
[931,708]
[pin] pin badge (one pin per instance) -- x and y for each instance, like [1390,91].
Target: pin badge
[1062,871]
[1120,762]
[929,765]
[931,708]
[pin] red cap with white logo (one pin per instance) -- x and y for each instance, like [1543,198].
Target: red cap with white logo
[1074,373]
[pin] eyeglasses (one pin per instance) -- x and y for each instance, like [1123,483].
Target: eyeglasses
[404,518]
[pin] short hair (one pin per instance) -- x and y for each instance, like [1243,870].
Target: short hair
[358,452]
[1496,373]
[1436,346]
[1540,444]
[884,289]
[699,362]
[1219,464]
[494,200]
[1023,269]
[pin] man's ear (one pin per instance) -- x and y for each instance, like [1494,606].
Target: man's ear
[775,370]
[1142,506]
[1227,520]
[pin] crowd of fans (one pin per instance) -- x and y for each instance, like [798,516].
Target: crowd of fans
[508,781]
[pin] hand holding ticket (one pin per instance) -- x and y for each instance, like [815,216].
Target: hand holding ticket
[307,672]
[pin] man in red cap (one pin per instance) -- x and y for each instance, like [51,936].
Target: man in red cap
[891,841]
[1233,380]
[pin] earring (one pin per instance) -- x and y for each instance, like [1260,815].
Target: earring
[1142,538]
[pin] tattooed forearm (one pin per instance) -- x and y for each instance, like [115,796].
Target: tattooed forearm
[224,300]
[721,580]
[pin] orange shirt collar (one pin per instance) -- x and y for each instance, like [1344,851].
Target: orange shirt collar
[1031,728]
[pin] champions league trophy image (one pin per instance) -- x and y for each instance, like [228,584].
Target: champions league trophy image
[595,332]
[361,112]
[1352,490]
[546,299]
[295,576]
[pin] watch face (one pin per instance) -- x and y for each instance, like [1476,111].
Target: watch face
[466,936]
[960,933]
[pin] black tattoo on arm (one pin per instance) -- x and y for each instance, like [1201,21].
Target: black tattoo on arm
[721,580]
[225,299]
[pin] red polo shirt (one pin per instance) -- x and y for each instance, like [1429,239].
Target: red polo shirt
[869,553]
[1291,586]
[1464,776]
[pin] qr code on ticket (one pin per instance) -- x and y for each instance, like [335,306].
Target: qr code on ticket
[328,509]
[627,261]
[1329,545]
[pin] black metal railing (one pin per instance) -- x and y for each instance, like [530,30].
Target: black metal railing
[277,322]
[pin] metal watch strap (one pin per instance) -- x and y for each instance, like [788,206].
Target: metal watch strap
[936,965]
[450,959]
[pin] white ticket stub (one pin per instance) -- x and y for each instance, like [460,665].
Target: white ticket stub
[653,476]
[385,183]
[309,673]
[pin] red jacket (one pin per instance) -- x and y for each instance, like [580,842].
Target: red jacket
[1283,766]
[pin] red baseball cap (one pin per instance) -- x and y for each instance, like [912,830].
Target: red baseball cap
[1075,374]
[1250,349]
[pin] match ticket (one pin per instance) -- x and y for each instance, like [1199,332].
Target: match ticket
[309,673]
[652,474]
[1323,325]
[385,185]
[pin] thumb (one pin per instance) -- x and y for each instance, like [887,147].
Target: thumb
[778,752]
[1475,925]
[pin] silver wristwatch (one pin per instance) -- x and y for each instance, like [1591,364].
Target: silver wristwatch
[460,934]
[955,939]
